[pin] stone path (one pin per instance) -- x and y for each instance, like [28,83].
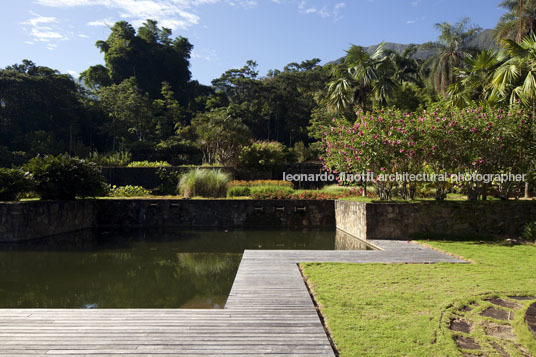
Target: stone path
[485,327]
[268,312]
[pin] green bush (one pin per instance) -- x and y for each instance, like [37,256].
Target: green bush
[169,181]
[529,232]
[263,156]
[149,164]
[204,183]
[65,178]
[238,191]
[128,191]
[14,183]
[269,190]
[121,158]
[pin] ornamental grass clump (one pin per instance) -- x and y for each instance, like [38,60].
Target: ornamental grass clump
[204,183]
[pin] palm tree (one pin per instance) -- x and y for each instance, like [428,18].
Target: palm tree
[452,47]
[509,26]
[515,79]
[473,79]
[359,79]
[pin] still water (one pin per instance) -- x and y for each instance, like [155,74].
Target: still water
[138,269]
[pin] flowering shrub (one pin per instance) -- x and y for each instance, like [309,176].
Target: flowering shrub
[284,194]
[253,183]
[472,140]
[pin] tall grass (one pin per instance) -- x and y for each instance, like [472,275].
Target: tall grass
[204,183]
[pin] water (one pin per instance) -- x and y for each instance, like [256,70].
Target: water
[138,269]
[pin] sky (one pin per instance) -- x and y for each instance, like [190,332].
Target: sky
[61,34]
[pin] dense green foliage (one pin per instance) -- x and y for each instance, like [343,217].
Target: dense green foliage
[204,183]
[142,105]
[65,178]
[238,191]
[14,183]
[263,156]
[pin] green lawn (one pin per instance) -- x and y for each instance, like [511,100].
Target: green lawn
[405,309]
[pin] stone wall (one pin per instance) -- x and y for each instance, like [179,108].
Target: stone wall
[215,213]
[401,220]
[35,219]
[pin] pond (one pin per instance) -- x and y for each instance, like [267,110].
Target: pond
[140,268]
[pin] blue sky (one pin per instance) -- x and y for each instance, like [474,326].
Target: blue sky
[226,33]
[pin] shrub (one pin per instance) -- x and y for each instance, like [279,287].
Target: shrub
[238,191]
[261,183]
[14,183]
[121,158]
[271,192]
[204,183]
[263,156]
[149,164]
[65,178]
[128,191]
[529,232]
[169,181]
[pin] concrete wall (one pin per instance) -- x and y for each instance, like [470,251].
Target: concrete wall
[401,220]
[35,219]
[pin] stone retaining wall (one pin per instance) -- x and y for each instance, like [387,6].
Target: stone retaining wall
[401,220]
[35,219]
[215,213]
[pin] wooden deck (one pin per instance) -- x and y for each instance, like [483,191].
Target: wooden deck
[269,312]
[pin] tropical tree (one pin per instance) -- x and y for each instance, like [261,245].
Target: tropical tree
[473,79]
[515,79]
[453,45]
[361,79]
[221,136]
[510,26]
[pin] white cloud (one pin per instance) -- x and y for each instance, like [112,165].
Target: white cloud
[81,35]
[175,14]
[73,73]
[409,22]
[43,29]
[205,54]
[103,22]
[306,8]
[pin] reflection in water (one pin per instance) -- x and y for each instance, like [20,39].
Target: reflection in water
[137,269]
[345,241]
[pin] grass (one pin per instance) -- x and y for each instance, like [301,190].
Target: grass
[204,183]
[401,309]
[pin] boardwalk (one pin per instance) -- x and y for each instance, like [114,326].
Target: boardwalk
[269,312]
